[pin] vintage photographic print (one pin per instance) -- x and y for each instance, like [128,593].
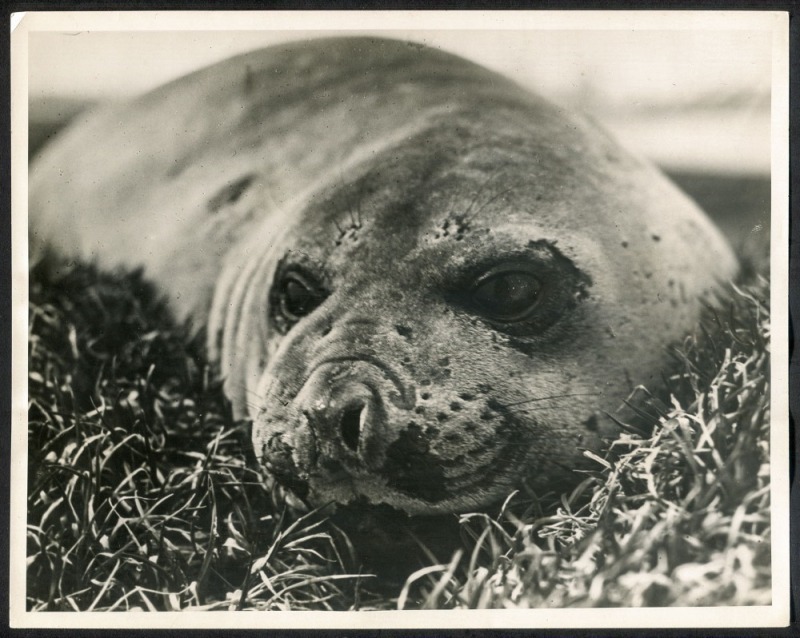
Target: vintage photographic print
[349,317]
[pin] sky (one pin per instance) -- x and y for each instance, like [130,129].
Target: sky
[625,78]
[621,65]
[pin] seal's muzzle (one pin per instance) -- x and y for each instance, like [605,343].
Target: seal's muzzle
[343,406]
[338,427]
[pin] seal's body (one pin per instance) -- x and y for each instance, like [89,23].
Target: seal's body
[420,281]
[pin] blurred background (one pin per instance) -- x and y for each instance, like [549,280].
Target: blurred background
[697,102]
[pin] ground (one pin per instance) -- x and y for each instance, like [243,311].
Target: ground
[142,493]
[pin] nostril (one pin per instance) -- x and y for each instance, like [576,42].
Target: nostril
[350,425]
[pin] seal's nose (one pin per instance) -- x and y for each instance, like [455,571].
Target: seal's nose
[351,424]
[346,420]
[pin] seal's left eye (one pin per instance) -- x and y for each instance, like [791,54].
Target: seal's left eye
[507,295]
[299,295]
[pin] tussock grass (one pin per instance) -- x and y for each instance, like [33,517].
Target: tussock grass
[678,517]
[142,495]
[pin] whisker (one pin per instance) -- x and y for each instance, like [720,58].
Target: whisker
[468,214]
[242,386]
[353,203]
[526,409]
[626,427]
[480,190]
[258,405]
[553,396]
[485,204]
[358,212]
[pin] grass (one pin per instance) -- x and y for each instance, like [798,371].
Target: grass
[677,517]
[142,493]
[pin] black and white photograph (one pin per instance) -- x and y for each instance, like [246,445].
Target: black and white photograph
[348,317]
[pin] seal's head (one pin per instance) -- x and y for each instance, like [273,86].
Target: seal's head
[427,281]
[446,319]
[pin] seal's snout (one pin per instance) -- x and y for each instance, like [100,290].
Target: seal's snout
[345,418]
[351,423]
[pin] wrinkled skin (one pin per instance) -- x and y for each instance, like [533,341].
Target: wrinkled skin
[396,179]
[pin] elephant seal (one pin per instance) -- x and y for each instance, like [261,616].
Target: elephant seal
[421,282]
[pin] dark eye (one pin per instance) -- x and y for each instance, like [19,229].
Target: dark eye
[298,295]
[507,295]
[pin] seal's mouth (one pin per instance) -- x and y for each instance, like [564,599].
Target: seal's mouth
[413,539]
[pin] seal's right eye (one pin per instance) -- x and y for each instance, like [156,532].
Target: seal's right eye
[523,295]
[297,294]
[507,295]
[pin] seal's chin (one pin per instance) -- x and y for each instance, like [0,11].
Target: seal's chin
[372,529]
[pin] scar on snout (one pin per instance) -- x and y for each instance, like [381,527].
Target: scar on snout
[230,193]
